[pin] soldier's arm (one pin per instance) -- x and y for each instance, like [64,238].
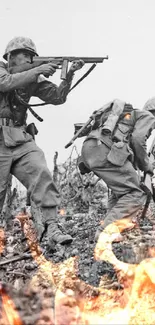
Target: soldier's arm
[10,82]
[145,123]
[51,93]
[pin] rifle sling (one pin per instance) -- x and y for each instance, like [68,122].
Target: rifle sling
[84,76]
[23,102]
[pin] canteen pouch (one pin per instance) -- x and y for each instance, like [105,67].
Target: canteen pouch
[122,132]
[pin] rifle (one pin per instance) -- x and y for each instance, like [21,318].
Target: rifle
[87,125]
[147,177]
[60,61]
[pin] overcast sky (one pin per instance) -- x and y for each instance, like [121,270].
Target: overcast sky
[122,29]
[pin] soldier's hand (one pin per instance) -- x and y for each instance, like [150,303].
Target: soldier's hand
[47,69]
[77,65]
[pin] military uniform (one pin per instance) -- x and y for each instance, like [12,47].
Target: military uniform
[17,144]
[19,154]
[113,159]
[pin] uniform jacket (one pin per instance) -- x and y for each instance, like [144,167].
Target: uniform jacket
[29,84]
[143,123]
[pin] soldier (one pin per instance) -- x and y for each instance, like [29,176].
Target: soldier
[19,154]
[113,157]
[150,105]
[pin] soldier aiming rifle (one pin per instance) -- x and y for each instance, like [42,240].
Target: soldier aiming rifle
[19,154]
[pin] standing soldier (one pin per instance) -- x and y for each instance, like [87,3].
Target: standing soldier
[19,154]
[112,149]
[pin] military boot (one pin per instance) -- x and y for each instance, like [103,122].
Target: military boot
[38,221]
[40,232]
[54,234]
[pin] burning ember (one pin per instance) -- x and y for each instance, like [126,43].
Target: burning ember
[79,303]
[9,315]
[62,212]
[2,240]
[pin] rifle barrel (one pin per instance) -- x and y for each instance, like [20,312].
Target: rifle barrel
[70,58]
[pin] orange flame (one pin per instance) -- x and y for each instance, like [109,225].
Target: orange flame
[9,310]
[138,280]
[2,240]
[127,116]
[62,212]
[133,303]
[110,305]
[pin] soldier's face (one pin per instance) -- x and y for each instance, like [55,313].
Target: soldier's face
[20,58]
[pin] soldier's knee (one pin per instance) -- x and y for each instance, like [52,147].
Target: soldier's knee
[44,174]
[89,163]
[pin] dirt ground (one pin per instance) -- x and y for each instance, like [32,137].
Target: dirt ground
[33,302]
[57,287]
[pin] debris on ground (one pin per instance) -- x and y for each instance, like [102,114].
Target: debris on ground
[80,283]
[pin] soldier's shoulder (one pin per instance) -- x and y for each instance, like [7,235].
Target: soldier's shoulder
[142,113]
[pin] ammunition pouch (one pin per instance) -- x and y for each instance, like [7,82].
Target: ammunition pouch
[82,167]
[122,132]
[15,136]
[119,153]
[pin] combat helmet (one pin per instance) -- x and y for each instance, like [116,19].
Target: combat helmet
[20,43]
[150,105]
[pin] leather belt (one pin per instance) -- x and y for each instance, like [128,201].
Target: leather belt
[4,121]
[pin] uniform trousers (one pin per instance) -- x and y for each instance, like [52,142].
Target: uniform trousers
[27,163]
[128,197]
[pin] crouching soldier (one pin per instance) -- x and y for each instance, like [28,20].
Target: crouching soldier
[112,150]
[19,154]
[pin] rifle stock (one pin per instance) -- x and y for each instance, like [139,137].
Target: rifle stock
[79,132]
[82,129]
